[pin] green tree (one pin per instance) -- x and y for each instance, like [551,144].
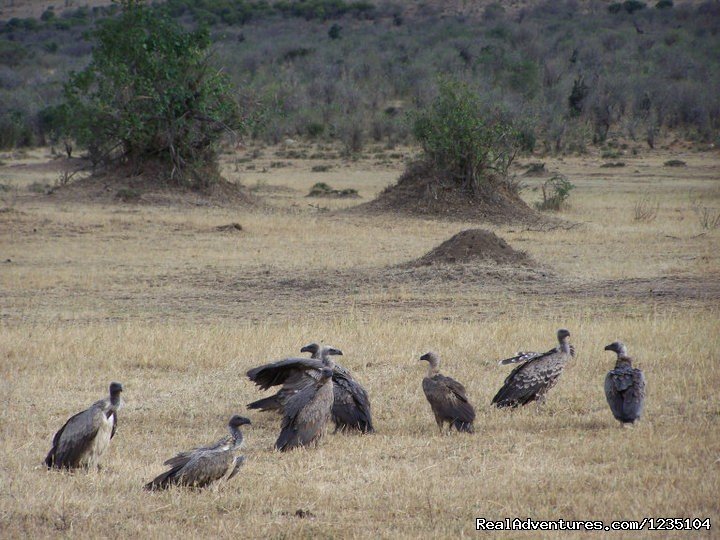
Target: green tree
[465,143]
[150,94]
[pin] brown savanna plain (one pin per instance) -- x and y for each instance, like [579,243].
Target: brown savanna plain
[155,296]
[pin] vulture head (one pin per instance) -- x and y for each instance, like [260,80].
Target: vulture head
[325,374]
[115,389]
[563,334]
[237,421]
[432,358]
[314,348]
[617,347]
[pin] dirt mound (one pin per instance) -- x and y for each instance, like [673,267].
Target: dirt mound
[422,191]
[120,187]
[474,245]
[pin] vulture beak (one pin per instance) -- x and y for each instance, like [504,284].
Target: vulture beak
[336,352]
[307,348]
[609,347]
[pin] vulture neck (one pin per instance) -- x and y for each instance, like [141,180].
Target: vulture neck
[565,346]
[115,401]
[326,360]
[433,369]
[623,361]
[237,436]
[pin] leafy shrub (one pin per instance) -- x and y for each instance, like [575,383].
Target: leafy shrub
[47,15]
[334,32]
[631,6]
[555,192]
[664,4]
[675,163]
[314,129]
[470,147]
[172,107]
[12,54]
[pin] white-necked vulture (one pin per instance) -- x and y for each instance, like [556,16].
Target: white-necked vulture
[292,373]
[351,404]
[85,437]
[306,414]
[448,398]
[201,467]
[624,386]
[531,380]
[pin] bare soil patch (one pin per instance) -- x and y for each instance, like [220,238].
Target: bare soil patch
[419,192]
[473,245]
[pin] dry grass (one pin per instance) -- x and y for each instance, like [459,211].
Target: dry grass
[159,300]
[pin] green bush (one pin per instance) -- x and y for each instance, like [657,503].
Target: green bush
[150,95]
[664,4]
[555,192]
[462,142]
[631,6]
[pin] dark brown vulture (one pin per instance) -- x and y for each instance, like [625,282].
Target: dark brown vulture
[536,375]
[624,387]
[351,404]
[201,467]
[448,398]
[292,373]
[85,437]
[306,414]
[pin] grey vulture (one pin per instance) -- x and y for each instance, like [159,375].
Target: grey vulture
[292,373]
[534,377]
[624,386]
[201,467]
[448,398]
[85,437]
[351,403]
[306,414]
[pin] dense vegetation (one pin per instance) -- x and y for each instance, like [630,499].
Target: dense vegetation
[351,71]
[468,145]
[149,95]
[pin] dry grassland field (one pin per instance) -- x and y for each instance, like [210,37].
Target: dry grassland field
[162,298]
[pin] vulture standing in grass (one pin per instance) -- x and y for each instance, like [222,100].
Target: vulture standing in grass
[536,375]
[85,437]
[306,414]
[448,398]
[292,373]
[203,466]
[624,387]
[351,404]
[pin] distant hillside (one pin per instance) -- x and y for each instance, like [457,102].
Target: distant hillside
[568,73]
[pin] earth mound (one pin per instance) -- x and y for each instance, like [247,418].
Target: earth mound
[474,245]
[422,191]
[149,187]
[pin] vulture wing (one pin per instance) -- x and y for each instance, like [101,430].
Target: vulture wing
[530,380]
[75,437]
[351,404]
[290,371]
[449,401]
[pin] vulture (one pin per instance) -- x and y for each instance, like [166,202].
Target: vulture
[201,467]
[536,375]
[448,398]
[292,373]
[306,414]
[85,437]
[624,387]
[351,404]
